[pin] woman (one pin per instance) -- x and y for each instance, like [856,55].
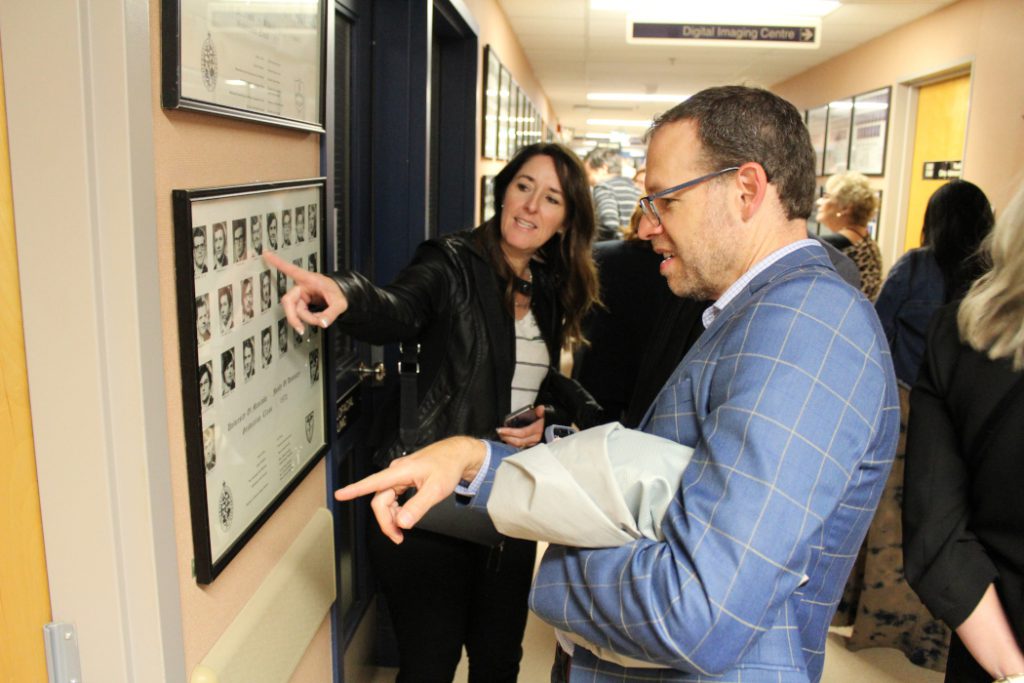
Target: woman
[888,613]
[963,522]
[845,209]
[957,219]
[491,309]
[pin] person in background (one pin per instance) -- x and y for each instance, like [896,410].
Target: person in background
[638,179]
[642,331]
[881,607]
[788,401]
[845,209]
[962,519]
[490,309]
[614,196]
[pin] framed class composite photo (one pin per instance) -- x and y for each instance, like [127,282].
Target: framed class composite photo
[260,61]
[253,390]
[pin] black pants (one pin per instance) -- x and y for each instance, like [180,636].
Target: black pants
[443,593]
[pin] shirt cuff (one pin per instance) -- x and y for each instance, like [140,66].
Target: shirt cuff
[470,488]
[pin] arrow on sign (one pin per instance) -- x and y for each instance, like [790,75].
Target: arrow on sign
[807,35]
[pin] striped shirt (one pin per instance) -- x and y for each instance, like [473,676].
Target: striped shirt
[614,201]
[531,362]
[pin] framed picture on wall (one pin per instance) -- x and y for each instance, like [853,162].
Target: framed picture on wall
[486,197]
[492,84]
[874,220]
[255,61]
[817,122]
[505,90]
[253,390]
[870,128]
[520,127]
[813,226]
[837,136]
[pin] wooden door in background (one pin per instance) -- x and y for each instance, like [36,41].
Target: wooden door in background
[24,590]
[940,135]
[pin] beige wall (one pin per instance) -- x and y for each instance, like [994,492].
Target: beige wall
[199,150]
[496,31]
[984,34]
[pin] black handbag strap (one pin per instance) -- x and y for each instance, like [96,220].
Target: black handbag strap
[408,371]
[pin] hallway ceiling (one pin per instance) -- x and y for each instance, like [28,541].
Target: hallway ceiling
[577,47]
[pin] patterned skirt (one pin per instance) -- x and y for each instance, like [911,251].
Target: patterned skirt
[878,602]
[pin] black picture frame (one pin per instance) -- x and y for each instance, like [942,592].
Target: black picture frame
[250,436]
[277,68]
[870,131]
[817,121]
[506,89]
[492,86]
[486,197]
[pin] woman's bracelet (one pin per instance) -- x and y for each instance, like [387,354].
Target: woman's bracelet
[1011,678]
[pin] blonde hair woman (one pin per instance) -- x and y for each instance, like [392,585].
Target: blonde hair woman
[963,521]
[845,209]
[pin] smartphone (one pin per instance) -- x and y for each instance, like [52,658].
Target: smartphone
[520,417]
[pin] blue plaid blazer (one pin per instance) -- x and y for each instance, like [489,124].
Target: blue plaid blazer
[789,400]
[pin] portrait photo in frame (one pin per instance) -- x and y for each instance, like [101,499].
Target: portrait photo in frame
[253,390]
[256,61]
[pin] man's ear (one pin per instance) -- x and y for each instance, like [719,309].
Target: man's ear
[753,184]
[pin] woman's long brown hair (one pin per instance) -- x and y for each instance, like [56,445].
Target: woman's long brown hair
[567,255]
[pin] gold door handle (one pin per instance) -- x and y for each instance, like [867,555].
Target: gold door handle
[378,372]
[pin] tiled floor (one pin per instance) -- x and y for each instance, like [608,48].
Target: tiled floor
[877,665]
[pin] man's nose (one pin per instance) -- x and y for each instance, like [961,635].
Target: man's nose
[647,228]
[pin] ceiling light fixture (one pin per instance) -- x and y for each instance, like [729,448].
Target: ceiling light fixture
[634,97]
[721,10]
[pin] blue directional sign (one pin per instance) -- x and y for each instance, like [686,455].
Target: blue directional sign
[726,34]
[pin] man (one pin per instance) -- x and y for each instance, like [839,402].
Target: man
[266,345]
[256,228]
[248,359]
[199,249]
[286,228]
[238,231]
[788,400]
[614,196]
[300,224]
[203,318]
[220,239]
[282,336]
[265,298]
[272,230]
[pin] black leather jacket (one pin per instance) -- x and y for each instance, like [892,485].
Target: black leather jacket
[449,300]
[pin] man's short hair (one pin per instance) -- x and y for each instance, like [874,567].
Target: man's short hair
[199,232]
[603,157]
[737,124]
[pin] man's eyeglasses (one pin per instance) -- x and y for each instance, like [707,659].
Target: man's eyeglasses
[647,203]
